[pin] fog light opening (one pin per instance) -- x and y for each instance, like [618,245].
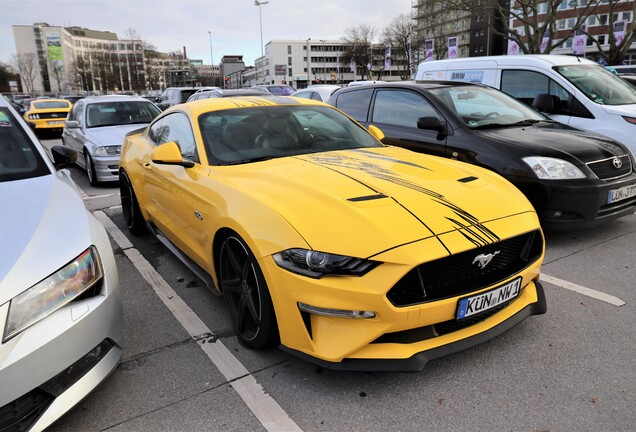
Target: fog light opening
[338,313]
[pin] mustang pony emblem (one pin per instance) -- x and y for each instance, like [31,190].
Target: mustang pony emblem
[483,260]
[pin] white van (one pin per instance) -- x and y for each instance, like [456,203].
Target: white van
[571,90]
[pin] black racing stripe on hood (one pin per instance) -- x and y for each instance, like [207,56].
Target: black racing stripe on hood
[390,159]
[479,234]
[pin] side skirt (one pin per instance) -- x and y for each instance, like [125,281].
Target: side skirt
[194,267]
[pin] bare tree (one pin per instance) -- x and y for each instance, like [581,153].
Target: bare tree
[7,74]
[57,69]
[360,41]
[26,65]
[153,71]
[136,58]
[618,49]
[400,35]
[527,22]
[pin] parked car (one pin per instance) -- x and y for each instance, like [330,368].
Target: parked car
[72,98]
[319,92]
[60,300]
[275,89]
[47,114]
[301,218]
[207,94]
[571,90]
[96,127]
[175,95]
[574,179]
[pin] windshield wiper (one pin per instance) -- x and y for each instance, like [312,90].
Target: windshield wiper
[527,122]
[244,161]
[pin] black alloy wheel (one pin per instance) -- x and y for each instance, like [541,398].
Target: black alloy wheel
[246,295]
[130,206]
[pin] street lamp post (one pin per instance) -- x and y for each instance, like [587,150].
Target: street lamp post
[211,58]
[260,3]
[308,66]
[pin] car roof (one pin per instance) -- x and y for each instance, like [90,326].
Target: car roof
[526,59]
[201,106]
[113,98]
[425,84]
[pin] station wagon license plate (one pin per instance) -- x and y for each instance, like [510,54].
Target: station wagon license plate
[620,194]
[482,302]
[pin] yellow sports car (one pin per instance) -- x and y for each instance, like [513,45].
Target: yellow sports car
[48,114]
[347,252]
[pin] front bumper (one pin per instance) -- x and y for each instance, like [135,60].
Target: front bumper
[576,204]
[58,361]
[345,343]
[106,168]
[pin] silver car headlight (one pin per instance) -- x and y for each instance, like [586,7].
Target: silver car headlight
[553,169]
[108,150]
[50,294]
[317,264]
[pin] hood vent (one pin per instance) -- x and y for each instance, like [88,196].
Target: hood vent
[367,198]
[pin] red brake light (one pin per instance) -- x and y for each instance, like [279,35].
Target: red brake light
[631,120]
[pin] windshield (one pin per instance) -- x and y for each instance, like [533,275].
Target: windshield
[482,107]
[19,159]
[599,84]
[253,134]
[281,90]
[120,113]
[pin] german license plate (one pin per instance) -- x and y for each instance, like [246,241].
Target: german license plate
[482,302]
[57,122]
[620,194]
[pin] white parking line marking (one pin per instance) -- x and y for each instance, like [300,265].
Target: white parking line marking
[265,408]
[582,290]
[87,197]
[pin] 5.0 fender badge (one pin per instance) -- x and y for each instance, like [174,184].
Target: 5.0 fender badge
[483,260]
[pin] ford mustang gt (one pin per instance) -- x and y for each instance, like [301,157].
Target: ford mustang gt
[346,252]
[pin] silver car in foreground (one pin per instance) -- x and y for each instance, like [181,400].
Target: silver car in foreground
[60,301]
[96,127]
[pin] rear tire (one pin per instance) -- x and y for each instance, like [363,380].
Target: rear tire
[246,295]
[130,206]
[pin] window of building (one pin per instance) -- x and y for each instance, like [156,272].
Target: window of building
[571,22]
[289,49]
[289,72]
[602,19]
[289,61]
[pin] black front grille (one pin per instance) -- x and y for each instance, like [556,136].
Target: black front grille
[20,414]
[606,168]
[461,273]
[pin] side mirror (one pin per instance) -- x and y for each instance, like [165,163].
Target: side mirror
[169,154]
[545,103]
[63,156]
[376,132]
[431,123]
[71,124]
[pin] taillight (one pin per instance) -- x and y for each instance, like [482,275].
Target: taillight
[631,120]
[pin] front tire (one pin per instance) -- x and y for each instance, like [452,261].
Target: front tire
[90,169]
[130,206]
[246,295]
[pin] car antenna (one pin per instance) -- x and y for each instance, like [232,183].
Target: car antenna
[576,55]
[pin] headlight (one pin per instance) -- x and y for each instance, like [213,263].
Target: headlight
[52,293]
[553,169]
[108,150]
[317,264]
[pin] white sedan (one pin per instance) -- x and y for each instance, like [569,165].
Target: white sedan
[60,301]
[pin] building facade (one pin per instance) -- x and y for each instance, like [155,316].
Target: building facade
[435,22]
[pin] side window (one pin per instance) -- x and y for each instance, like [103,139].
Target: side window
[176,127]
[525,85]
[316,96]
[75,113]
[401,108]
[355,103]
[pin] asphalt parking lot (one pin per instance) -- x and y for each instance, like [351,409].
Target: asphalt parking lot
[571,369]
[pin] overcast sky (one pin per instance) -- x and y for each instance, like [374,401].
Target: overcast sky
[172,24]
